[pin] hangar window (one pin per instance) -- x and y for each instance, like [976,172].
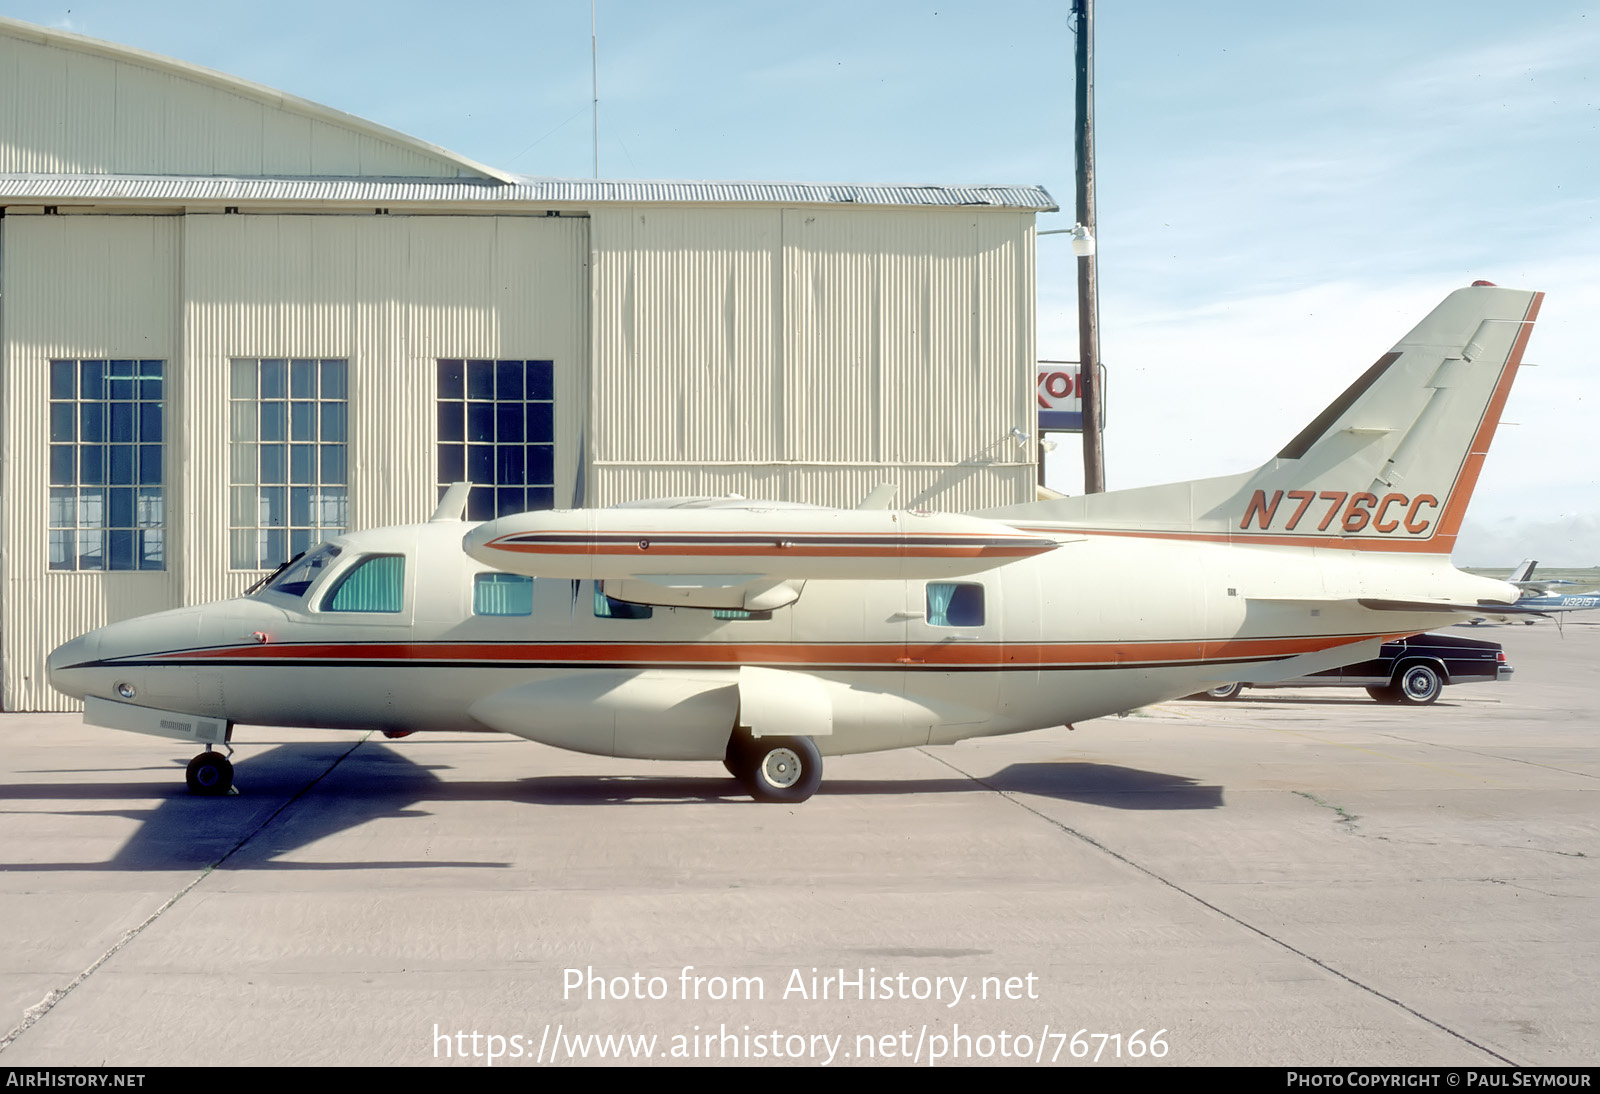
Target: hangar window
[375,584]
[954,605]
[107,496]
[502,594]
[289,437]
[497,430]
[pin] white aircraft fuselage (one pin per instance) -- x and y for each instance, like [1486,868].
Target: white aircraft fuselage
[775,634]
[1055,646]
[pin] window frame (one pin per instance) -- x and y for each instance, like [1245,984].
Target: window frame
[307,500]
[336,583]
[500,577]
[79,508]
[955,587]
[476,400]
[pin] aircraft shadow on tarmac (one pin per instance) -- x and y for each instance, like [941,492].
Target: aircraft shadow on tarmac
[1345,699]
[292,796]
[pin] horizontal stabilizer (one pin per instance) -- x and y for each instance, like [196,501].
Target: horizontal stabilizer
[1478,608]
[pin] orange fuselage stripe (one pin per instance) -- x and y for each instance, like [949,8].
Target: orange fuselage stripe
[886,655]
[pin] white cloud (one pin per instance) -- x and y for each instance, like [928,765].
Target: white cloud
[1558,542]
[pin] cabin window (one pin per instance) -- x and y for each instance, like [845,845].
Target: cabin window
[289,436]
[107,495]
[954,605]
[606,607]
[738,613]
[497,430]
[502,594]
[375,584]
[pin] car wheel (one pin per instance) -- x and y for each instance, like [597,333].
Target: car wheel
[1225,691]
[1418,685]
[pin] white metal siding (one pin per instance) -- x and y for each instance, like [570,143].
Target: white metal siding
[391,295]
[67,111]
[71,287]
[803,348]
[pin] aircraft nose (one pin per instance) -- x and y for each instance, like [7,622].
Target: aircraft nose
[70,664]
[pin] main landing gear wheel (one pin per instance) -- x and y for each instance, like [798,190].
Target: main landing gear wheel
[785,770]
[210,774]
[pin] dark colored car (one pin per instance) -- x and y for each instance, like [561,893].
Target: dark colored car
[1410,670]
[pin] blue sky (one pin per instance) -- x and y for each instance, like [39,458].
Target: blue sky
[1284,189]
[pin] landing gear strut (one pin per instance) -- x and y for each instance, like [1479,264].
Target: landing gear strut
[210,774]
[786,770]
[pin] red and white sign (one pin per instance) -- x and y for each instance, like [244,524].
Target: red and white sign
[1060,393]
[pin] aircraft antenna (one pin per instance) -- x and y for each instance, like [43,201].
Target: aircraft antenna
[594,79]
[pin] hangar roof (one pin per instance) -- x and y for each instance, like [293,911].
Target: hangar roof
[49,189]
[88,122]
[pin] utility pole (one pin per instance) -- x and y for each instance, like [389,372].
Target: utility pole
[1094,478]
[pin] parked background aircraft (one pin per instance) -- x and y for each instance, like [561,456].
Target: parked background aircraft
[767,635]
[1536,599]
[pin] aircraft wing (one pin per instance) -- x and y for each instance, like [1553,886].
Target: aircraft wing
[745,555]
[750,543]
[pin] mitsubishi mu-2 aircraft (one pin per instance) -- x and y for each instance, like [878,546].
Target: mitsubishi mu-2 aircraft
[768,635]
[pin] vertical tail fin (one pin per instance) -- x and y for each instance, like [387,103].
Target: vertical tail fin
[1388,466]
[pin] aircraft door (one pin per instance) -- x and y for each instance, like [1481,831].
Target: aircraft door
[954,655]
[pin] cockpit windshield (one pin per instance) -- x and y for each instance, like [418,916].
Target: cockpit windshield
[303,573]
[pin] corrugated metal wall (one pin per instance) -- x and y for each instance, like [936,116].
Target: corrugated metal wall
[810,353]
[388,294]
[70,287]
[391,295]
[68,111]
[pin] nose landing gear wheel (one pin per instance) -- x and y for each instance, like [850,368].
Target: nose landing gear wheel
[210,774]
[785,770]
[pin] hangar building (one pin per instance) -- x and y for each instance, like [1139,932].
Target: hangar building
[233,322]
